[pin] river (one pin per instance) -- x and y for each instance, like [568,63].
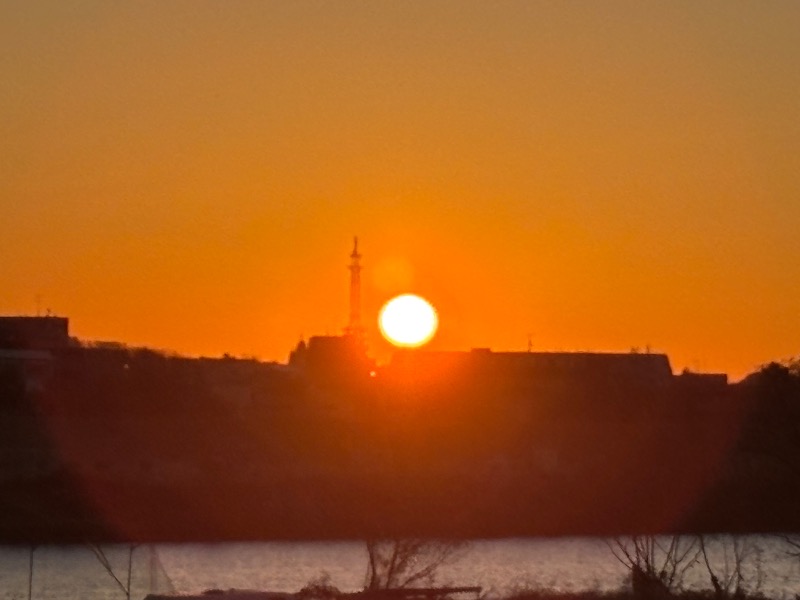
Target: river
[499,566]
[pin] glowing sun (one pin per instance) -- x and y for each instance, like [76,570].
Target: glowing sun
[408,320]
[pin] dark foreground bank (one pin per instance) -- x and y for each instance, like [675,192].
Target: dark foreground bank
[122,445]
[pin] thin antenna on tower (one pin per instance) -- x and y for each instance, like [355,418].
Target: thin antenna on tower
[530,342]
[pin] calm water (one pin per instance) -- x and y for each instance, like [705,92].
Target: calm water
[73,572]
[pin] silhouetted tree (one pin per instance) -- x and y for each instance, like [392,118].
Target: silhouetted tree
[773,432]
[728,573]
[657,565]
[319,588]
[409,562]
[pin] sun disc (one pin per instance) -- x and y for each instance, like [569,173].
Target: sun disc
[408,321]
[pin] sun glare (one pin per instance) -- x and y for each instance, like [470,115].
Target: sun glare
[408,321]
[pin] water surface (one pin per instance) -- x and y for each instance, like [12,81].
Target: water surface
[73,572]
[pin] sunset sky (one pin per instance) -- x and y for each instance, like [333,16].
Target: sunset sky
[188,175]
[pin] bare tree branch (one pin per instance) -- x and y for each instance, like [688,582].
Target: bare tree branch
[657,565]
[729,579]
[408,562]
[106,564]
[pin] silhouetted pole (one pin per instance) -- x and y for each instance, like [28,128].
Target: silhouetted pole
[30,572]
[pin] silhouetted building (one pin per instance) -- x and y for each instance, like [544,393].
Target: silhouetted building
[540,368]
[702,392]
[578,381]
[332,359]
[338,359]
[34,333]
[702,381]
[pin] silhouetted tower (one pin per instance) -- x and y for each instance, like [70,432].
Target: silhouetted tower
[354,326]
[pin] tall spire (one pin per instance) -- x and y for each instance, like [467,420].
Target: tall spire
[354,326]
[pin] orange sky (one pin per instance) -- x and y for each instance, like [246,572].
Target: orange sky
[188,174]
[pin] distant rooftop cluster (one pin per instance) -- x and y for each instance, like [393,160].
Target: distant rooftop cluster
[343,359]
